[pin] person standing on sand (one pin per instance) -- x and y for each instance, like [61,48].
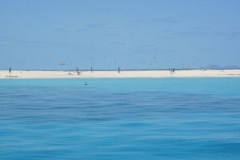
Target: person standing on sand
[10,69]
[118,69]
[77,71]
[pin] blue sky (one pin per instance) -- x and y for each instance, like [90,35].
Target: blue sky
[106,34]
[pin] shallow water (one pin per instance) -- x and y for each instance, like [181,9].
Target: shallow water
[138,118]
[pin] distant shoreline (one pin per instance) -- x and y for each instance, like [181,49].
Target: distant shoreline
[168,69]
[21,74]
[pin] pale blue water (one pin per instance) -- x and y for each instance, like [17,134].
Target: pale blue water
[178,118]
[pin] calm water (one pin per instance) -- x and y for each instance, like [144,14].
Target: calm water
[179,118]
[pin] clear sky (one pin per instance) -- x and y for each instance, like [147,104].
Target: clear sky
[106,34]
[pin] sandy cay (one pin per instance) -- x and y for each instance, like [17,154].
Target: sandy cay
[123,74]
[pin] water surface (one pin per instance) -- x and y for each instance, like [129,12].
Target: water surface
[134,118]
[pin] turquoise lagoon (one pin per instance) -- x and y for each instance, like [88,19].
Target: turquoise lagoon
[126,118]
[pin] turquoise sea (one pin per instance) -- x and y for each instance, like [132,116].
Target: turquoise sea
[134,118]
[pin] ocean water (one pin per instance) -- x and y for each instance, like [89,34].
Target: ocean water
[134,118]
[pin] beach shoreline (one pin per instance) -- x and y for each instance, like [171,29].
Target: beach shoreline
[17,74]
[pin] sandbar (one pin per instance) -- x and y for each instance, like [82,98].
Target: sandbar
[17,74]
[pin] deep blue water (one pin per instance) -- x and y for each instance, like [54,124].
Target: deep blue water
[141,118]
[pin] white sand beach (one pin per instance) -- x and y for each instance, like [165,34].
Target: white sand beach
[123,74]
